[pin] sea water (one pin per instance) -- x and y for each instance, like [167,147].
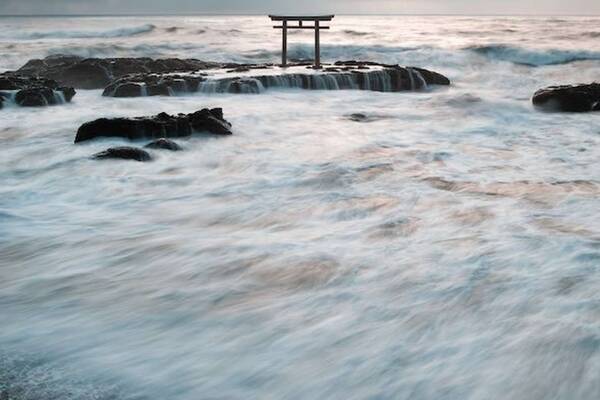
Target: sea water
[447,247]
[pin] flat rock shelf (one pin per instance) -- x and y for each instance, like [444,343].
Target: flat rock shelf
[344,75]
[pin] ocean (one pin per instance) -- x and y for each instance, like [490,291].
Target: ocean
[446,248]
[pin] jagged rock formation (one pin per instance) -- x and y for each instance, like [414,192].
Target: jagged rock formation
[97,73]
[570,98]
[159,126]
[141,85]
[32,91]
[344,75]
[133,77]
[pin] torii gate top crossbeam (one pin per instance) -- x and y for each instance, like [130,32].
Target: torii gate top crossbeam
[300,19]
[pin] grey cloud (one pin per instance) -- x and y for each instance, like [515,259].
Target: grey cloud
[298,6]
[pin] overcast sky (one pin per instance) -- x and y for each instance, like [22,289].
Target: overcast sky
[586,7]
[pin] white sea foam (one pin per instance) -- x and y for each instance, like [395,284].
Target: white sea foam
[442,244]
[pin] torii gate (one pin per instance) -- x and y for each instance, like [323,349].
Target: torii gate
[300,19]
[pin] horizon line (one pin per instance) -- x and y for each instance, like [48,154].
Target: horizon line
[263,14]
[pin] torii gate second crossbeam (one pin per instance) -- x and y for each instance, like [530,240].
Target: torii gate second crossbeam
[300,19]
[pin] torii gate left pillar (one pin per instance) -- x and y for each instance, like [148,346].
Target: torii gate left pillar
[316,26]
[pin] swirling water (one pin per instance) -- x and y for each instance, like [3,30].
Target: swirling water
[447,248]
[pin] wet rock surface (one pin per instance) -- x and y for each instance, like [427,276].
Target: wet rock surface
[569,98]
[153,85]
[13,81]
[163,144]
[33,91]
[158,126]
[343,75]
[43,96]
[123,153]
[97,73]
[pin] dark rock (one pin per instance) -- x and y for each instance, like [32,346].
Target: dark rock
[127,90]
[164,144]
[432,77]
[13,81]
[3,96]
[83,75]
[356,63]
[570,98]
[376,78]
[155,85]
[42,96]
[239,69]
[35,97]
[34,91]
[68,93]
[159,126]
[358,117]
[96,73]
[124,153]
[159,89]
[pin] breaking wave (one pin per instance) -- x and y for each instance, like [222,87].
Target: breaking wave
[534,58]
[335,52]
[355,33]
[112,33]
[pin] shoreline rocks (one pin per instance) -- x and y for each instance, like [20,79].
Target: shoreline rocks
[135,77]
[141,85]
[357,76]
[568,98]
[162,125]
[97,73]
[33,91]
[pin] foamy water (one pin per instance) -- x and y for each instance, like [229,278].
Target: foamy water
[449,248]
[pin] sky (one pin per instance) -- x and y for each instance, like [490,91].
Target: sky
[580,7]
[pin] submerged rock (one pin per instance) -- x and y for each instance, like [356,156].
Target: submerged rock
[34,91]
[164,144]
[358,117]
[158,126]
[96,73]
[361,117]
[570,98]
[123,153]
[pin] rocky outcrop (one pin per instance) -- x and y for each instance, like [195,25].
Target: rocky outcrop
[33,91]
[133,77]
[123,153]
[97,73]
[570,98]
[354,75]
[163,144]
[159,126]
[153,85]
[13,81]
[43,96]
